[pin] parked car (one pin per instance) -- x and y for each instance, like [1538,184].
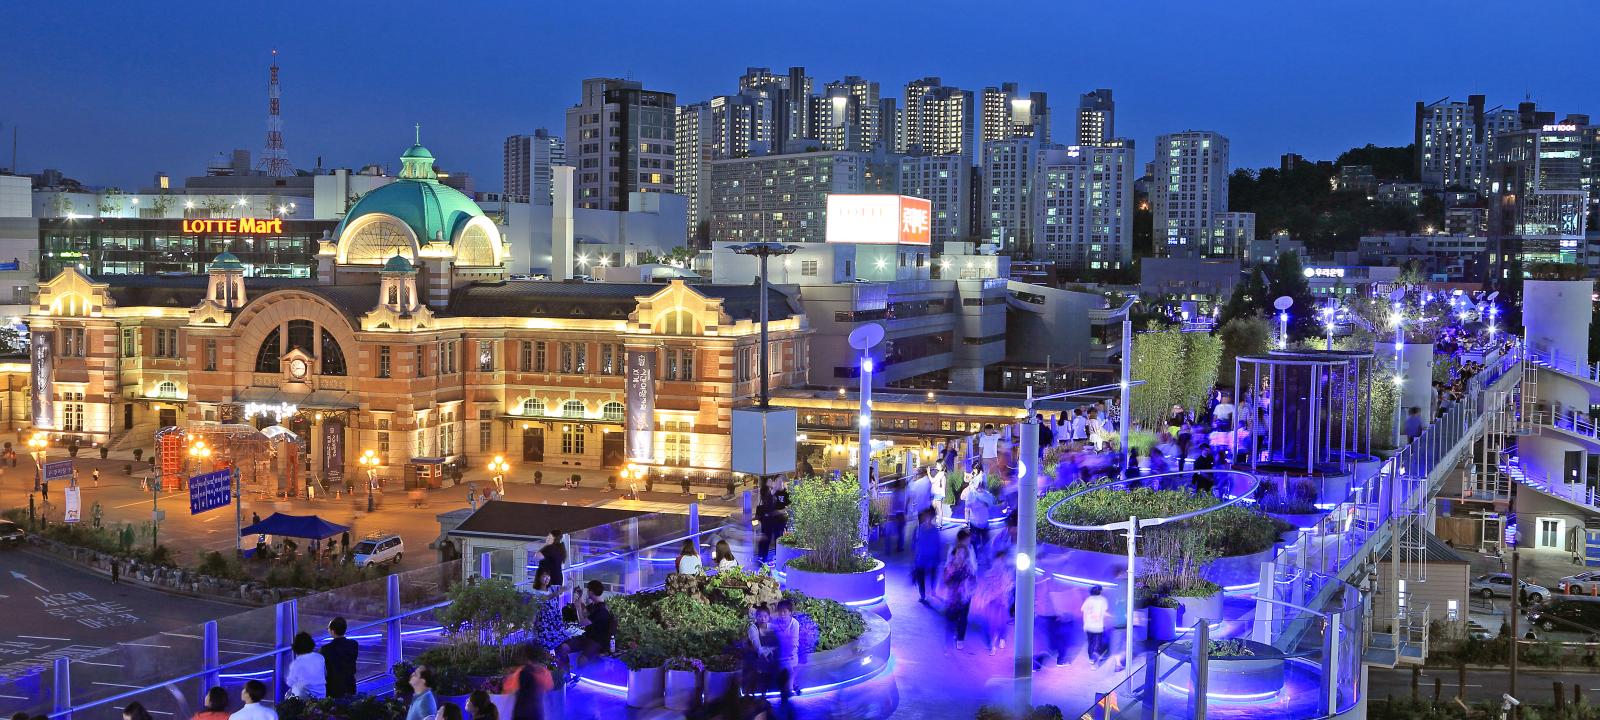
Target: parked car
[1583,583]
[11,533]
[1572,614]
[1499,585]
[378,549]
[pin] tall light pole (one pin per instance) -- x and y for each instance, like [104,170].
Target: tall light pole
[762,251]
[38,445]
[1399,319]
[369,461]
[863,339]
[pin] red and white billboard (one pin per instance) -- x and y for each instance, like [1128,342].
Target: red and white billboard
[879,219]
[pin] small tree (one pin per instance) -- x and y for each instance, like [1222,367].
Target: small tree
[490,604]
[1242,336]
[825,517]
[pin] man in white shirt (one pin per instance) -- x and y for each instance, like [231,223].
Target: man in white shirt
[1080,426]
[989,448]
[252,694]
[1223,412]
[1095,611]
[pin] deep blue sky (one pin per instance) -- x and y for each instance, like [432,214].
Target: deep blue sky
[110,92]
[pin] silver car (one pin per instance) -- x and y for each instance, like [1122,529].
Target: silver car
[1499,585]
[11,533]
[1584,583]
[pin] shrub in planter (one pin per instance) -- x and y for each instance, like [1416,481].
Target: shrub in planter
[682,688]
[491,604]
[825,518]
[1229,531]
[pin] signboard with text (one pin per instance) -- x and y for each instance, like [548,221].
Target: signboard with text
[641,405]
[210,491]
[41,354]
[74,510]
[879,220]
[234,226]
[333,452]
[58,470]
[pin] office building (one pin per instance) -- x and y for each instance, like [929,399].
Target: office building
[528,163]
[1188,190]
[1453,141]
[621,138]
[1538,209]
[939,120]
[946,182]
[1007,113]
[1096,117]
[1083,208]
[845,115]
[785,197]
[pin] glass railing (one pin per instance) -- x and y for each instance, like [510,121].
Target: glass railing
[392,618]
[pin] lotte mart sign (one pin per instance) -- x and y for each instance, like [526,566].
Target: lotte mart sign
[235,226]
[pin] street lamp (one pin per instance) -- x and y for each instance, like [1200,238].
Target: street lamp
[369,460]
[200,450]
[763,250]
[499,467]
[38,445]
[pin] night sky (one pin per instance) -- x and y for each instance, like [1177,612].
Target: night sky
[110,92]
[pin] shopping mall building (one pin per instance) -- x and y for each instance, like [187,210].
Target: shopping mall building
[411,342]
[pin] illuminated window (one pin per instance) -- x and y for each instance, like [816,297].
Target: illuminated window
[572,409]
[572,439]
[533,406]
[612,411]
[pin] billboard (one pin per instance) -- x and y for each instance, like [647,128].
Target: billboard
[641,404]
[879,220]
[42,351]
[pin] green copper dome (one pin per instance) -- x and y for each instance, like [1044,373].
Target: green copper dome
[226,261]
[398,264]
[431,209]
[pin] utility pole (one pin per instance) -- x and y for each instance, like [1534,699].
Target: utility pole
[1516,592]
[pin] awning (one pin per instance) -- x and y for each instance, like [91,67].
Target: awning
[315,400]
[300,526]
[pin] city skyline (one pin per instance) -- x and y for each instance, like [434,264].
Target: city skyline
[100,115]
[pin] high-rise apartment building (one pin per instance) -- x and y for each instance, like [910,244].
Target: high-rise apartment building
[946,182]
[939,119]
[1007,113]
[621,138]
[845,115]
[1538,209]
[1232,232]
[726,126]
[1454,139]
[1009,171]
[1083,208]
[529,160]
[1096,117]
[790,95]
[1188,189]
[891,126]
[785,197]
[694,149]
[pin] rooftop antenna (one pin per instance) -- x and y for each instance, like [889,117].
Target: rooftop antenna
[274,160]
[418,128]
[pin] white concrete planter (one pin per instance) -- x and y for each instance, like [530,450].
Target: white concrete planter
[1196,608]
[717,684]
[645,687]
[857,589]
[682,690]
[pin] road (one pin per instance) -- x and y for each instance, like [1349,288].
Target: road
[56,609]
[1532,687]
[122,500]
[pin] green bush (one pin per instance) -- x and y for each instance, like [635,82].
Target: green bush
[456,664]
[837,625]
[492,604]
[1230,531]
[825,518]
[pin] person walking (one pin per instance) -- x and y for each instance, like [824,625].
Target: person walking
[989,448]
[1055,611]
[979,504]
[339,655]
[992,601]
[926,551]
[1095,610]
[1413,428]
[898,502]
[938,487]
[96,476]
[689,562]
[252,694]
[958,581]
[528,682]
[423,704]
[919,494]
[216,706]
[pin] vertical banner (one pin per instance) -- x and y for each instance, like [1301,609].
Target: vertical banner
[74,511]
[641,402]
[42,364]
[333,452]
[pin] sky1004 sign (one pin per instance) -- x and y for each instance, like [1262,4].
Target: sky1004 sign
[236,226]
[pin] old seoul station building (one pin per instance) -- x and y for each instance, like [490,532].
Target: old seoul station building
[411,343]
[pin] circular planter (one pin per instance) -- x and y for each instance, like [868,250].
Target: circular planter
[717,684]
[1161,624]
[645,686]
[856,589]
[783,555]
[1300,520]
[504,704]
[682,690]
[1258,676]
[1087,567]
[1197,608]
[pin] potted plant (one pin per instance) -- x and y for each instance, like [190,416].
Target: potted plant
[682,688]
[1161,618]
[825,518]
[722,672]
[646,676]
[1174,561]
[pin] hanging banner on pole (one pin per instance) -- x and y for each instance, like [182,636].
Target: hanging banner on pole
[41,350]
[74,505]
[641,405]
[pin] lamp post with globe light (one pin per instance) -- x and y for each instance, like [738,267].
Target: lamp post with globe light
[369,461]
[38,446]
[499,467]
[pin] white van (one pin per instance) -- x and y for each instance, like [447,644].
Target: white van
[378,549]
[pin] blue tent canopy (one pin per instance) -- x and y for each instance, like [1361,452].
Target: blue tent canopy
[300,526]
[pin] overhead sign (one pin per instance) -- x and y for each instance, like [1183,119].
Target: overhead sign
[58,470]
[74,511]
[234,226]
[210,491]
[641,405]
[278,411]
[1325,272]
[879,220]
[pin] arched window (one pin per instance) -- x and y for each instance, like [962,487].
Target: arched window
[168,389]
[267,357]
[394,295]
[300,334]
[377,240]
[474,248]
[572,409]
[612,411]
[332,356]
[678,322]
[533,406]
